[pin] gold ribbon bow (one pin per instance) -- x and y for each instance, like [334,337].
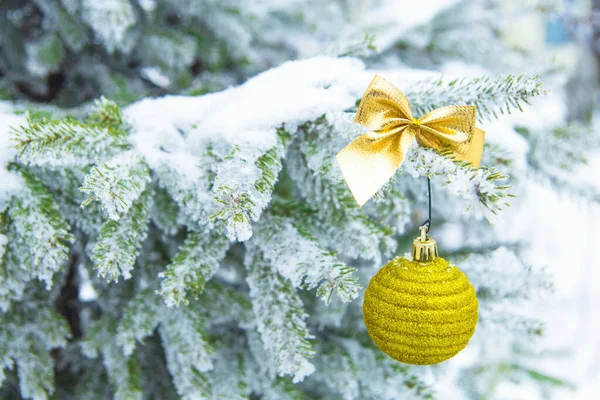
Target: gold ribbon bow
[369,161]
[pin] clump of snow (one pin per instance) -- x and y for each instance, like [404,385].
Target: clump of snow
[11,182]
[248,115]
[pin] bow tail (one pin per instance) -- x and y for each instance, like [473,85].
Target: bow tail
[370,160]
[464,147]
[474,149]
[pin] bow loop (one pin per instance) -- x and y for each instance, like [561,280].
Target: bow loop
[383,106]
[370,160]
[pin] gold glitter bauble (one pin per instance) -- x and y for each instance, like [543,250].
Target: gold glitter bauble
[420,312]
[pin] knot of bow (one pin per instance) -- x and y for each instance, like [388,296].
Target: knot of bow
[369,161]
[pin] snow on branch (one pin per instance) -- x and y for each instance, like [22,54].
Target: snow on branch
[194,265]
[246,133]
[11,181]
[246,149]
[338,224]
[56,143]
[481,188]
[124,372]
[297,256]
[40,228]
[361,372]
[495,276]
[244,192]
[119,242]
[491,95]
[187,351]
[503,284]
[139,320]
[280,316]
[556,153]
[117,183]
[28,333]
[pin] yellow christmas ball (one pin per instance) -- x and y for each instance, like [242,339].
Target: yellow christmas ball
[420,312]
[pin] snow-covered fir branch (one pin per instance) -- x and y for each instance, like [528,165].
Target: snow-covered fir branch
[140,318]
[182,333]
[194,265]
[52,142]
[40,232]
[361,372]
[297,256]
[118,244]
[496,284]
[28,333]
[319,181]
[110,21]
[243,203]
[187,352]
[124,372]
[117,183]
[502,292]
[557,152]
[492,96]
[280,318]
[482,189]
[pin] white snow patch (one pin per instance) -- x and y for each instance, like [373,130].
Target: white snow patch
[10,182]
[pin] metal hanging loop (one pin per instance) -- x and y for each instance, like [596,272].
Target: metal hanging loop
[427,224]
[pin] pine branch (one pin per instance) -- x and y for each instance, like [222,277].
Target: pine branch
[232,376]
[297,256]
[140,318]
[491,96]
[192,195]
[563,147]
[36,373]
[165,212]
[222,305]
[242,201]
[341,226]
[44,234]
[125,374]
[63,185]
[361,372]
[28,333]
[481,188]
[13,278]
[280,318]
[507,319]
[106,113]
[187,352]
[357,47]
[119,242]
[515,281]
[193,266]
[172,51]
[482,379]
[123,371]
[51,142]
[555,154]
[117,183]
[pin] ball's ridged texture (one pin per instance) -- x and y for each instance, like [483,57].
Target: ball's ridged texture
[420,312]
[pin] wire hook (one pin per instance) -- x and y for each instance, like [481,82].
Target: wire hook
[427,223]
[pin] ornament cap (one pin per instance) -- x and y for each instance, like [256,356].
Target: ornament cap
[424,248]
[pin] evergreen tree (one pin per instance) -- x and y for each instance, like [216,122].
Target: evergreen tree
[204,245]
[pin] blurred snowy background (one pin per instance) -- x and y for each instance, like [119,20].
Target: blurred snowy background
[59,55]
